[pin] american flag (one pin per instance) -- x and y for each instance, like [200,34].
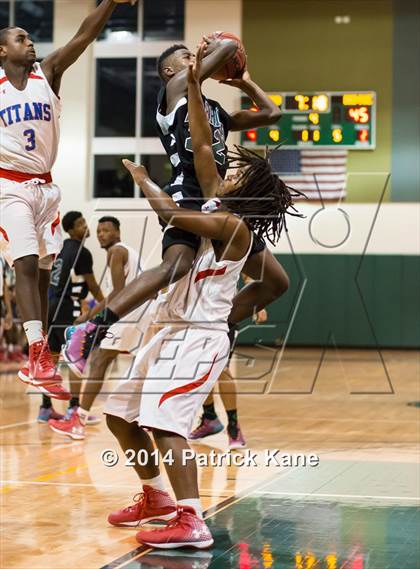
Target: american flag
[319,174]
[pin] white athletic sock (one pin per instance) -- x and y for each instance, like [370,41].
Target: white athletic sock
[156,483]
[83,414]
[33,331]
[193,503]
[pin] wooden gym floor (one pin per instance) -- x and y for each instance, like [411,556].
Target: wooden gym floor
[359,413]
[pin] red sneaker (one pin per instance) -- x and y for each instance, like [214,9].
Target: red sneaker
[41,365]
[54,390]
[186,530]
[151,504]
[72,427]
[40,372]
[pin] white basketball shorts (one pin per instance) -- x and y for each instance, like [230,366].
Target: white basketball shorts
[29,219]
[171,378]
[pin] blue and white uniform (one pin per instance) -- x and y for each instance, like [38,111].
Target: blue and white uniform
[29,137]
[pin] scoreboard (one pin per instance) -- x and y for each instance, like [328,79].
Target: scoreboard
[319,120]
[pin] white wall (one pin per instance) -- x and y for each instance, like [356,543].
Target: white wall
[71,171]
[388,229]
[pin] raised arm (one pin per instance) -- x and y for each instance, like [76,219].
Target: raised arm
[93,286]
[201,136]
[268,112]
[220,226]
[117,258]
[55,64]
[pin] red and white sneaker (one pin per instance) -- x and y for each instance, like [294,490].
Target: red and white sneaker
[54,390]
[186,530]
[40,372]
[71,427]
[151,504]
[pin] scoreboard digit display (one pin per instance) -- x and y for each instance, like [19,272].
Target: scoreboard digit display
[324,119]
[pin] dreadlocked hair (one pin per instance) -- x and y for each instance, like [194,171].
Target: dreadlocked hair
[261,198]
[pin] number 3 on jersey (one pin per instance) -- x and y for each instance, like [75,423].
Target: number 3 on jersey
[30,139]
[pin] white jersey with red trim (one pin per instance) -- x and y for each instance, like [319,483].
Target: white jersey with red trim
[203,298]
[132,269]
[29,124]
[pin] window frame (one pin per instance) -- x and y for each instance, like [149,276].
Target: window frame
[137,145]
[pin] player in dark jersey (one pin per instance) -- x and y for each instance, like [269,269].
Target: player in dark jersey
[72,279]
[180,247]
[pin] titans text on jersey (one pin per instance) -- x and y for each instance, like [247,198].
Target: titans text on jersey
[25,112]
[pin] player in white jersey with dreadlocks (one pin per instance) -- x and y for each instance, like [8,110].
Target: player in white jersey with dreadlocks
[30,235]
[176,369]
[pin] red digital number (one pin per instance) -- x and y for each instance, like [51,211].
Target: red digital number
[251,135]
[363,135]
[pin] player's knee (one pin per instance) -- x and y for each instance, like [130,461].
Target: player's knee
[27,266]
[118,427]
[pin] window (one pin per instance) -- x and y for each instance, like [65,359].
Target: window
[123,24]
[127,87]
[159,168]
[4,15]
[163,20]
[35,16]
[115,97]
[151,84]
[112,179]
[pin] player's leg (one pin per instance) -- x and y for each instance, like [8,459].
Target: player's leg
[153,502]
[182,474]
[172,393]
[210,423]
[270,281]
[27,293]
[176,263]
[132,437]
[41,371]
[78,415]
[60,315]
[178,256]
[24,211]
[46,410]
[43,286]
[122,412]
[228,394]
[99,363]
[189,528]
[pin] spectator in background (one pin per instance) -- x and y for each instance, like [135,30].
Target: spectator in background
[72,279]
[6,312]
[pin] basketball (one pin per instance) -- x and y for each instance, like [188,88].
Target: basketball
[236,65]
